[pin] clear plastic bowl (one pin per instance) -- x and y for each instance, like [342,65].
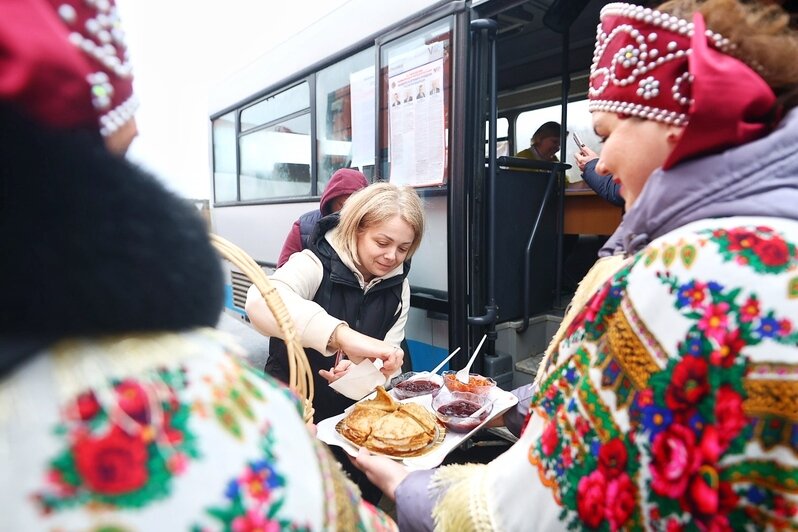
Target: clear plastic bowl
[412,384]
[476,383]
[454,409]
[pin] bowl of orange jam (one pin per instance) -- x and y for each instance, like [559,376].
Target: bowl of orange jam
[476,383]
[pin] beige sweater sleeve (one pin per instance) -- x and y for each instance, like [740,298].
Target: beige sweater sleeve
[296,282]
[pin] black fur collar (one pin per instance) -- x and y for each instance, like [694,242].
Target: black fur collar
[92,245]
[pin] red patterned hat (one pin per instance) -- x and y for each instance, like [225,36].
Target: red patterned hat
[659,67]
[65,63]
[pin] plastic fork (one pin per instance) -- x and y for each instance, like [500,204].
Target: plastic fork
[445,360]
[462,375]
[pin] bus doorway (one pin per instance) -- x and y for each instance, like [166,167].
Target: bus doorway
[535,227]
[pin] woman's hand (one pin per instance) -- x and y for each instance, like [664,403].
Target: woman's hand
[383,472]
[337,372]
[359,346]
[584,157]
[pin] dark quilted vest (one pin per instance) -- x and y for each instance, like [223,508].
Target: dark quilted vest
[372,313]
[307,222]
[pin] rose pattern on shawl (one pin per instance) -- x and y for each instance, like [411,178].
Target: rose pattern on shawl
[689,422]
[121,454]
[760,247]
[689,384]
[673,461]
[133,400]
[125,453]
[113,464]
[85,408]
[592,491]
[612,458]
[549,439]
[254,498]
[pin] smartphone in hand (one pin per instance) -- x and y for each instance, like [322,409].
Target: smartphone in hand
[578,141]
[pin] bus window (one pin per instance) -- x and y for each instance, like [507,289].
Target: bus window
[282,104]
[502,137]
[224,158]
[275,146]
[578,120]
[415,87]
[345,116]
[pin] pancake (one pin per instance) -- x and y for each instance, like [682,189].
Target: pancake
[382,401]
[385,426]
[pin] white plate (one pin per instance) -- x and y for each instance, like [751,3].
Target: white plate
[502,401]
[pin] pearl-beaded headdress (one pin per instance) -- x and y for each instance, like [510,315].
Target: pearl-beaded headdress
[656,66]
[65,62]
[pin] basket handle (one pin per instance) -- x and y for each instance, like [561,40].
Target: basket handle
[300,376]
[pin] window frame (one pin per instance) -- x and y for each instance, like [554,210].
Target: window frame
[375,41]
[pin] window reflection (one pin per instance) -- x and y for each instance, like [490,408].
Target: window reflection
[224,158]
[345,116]
[502,137]
[282,104]
[275,161]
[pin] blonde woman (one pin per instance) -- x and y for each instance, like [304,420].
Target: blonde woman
[348,292]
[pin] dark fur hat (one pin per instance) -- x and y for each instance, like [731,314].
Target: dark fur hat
[92,245]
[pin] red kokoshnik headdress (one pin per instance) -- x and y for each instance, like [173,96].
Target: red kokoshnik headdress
[659,67]
[65,63]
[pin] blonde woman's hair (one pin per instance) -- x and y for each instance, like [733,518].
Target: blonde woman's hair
[763,35]
[374,205]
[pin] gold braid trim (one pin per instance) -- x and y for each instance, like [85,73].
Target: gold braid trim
[340,510]
[626,347]
[463,504]
[779,478]
[601,271]
[771,397]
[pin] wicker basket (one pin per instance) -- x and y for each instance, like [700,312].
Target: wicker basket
[300,375]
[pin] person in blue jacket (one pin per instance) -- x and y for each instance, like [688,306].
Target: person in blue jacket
[603,185]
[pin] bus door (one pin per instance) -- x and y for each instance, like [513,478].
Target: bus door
[516,206]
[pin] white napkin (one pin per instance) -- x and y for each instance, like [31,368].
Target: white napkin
[360,380]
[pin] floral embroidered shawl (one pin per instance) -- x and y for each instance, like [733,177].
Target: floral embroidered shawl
[163,432]
[670,404]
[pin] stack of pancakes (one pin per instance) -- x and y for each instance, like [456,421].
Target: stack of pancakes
[385,426]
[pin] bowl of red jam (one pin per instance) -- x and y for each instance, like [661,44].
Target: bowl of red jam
[456,409]
[476,383]
[413,384]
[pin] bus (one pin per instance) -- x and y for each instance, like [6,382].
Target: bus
[439,95]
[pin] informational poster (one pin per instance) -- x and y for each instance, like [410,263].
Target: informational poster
[417,140]
[361,85]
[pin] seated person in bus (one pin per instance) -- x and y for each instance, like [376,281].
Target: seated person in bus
[544,145]
[121,407]
[666,404]
[348,292]
[603,185]
[343,183]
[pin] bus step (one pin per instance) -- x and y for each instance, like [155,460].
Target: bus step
[529,365]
